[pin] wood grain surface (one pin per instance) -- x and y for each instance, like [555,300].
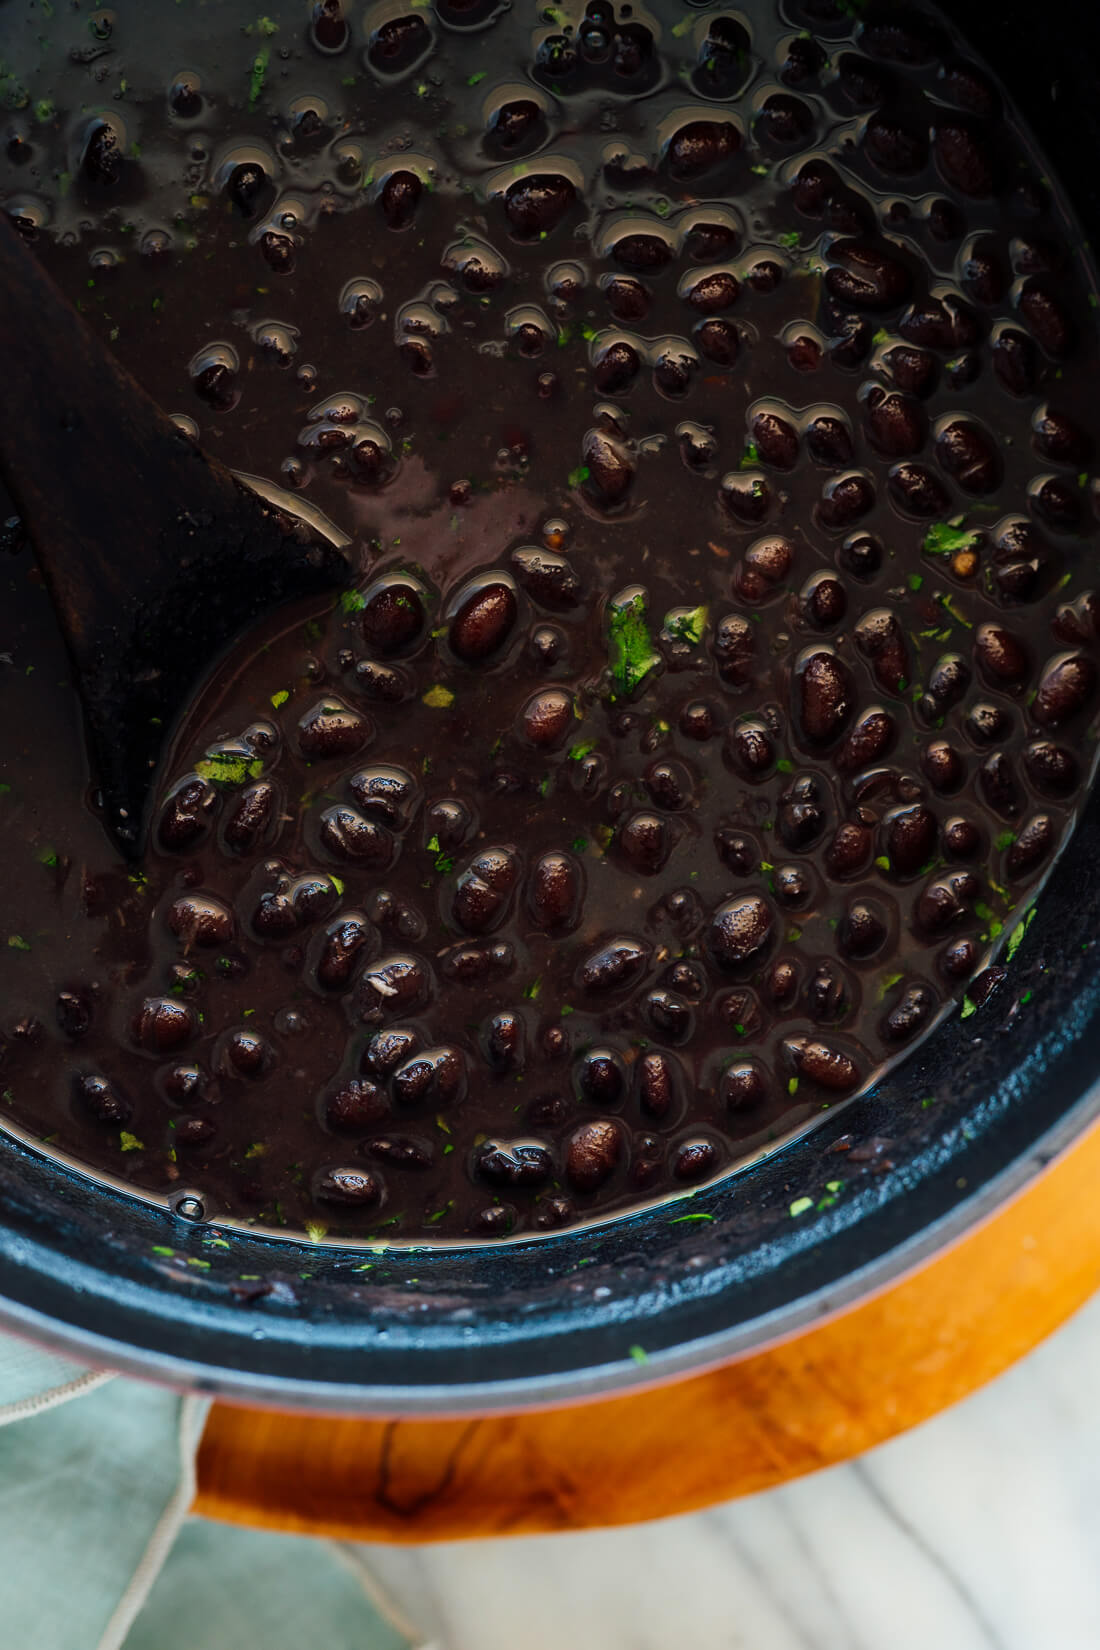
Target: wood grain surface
[882,1366]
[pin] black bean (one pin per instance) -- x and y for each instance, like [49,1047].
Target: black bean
[969,456]
[821,1063]
[353,1106]
[355,1188]
[1001,656]
[342,948]
[484,890]
[537,203]
[910,1014]
[646,842]
[187,815]
[347,834]
[701,145]
[393,616]
[73,1013]
[1047,319]
[628,298]
[862,930]
[896,424]
[1051,768]
[399,198]
[401,1151]
[245,1053]
[740,929]
[556,891]
[1066,685]
[917,491]
[614,966]
[823,694]
[616,367]
[386,791]
[897,146]
[657,1080]
[868,741]
[252,819]
[963,160]
[942,765]
[601,1079]
[200,919]
[386,1050]
[393,986]
[849,853]
[751,749]
[609,464]
[593,1154]
[163,1023]
[822,601]
[743,1085]
[695,1159]
[845,500]
[484,617]
[944,900]
[913,371]
[909,838]
[881,639]
[101,1098]
[1014,360]
[776,440]
[712,292]
[998,784]
[434,1077]
[867,275]
[1033,843]
[505,1163]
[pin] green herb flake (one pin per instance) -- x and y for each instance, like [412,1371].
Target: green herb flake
[684,1220]
[130,1142]
[256,75]
[948,605]
[792,1085]
[784,765]
[579,844]
[223,769]
[265,26]
[790,239]
[801,1206]
[16,942]
[915,581]
[438,697]
[969,1007]
[578,752]
[315,1231]
[889,981]
[639,1354]
[5,789]
[337,883]
[630,648]
[161,1249]
[578,476]
[47,857]
[438,1214]
[532,990]
[883,862]
[943,538]
[687,624]
[476,79]
[203,1265]
[759,171]
[750,458]
[353,601]
[566,1010]
[43,111]
[278,700]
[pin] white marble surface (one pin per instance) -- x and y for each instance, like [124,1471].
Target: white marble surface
[978,1531]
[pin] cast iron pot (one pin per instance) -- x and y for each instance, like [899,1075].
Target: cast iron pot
[966,1120]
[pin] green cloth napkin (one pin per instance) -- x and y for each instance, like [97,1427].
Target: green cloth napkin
[96,1548]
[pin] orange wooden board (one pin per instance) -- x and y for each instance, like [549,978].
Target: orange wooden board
[826,1395]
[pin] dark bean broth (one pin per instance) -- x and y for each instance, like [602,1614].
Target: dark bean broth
[706,398]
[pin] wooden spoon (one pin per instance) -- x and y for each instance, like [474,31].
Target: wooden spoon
[155,556]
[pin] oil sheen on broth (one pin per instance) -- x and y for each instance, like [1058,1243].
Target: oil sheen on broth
[708,398]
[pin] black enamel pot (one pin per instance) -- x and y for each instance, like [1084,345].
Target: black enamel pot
[965,1121]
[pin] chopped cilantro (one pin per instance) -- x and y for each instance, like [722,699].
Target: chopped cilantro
[969,1007]
[48,857]
[353,601]
[476,79]
[1004,840]
[433,845]
[439,697]
[17,942]
[948,605]
[750,458]
[222,768]
[532,990]
[256,76]
[790,238]
[130,1142]
[579,844]
[759,171]
[784,765]
[567,1009]
[683,1220]
[278,700]
[639,1354]
[889,981]
[337,883]
[944,538]
[630,648]
[579,475]
[578,752]
[315,1231]
[687,624]
[883,862]
[265,26]
[161,1249]
[915,581]
[801,1206]
[792,1085]
[437,1214]
[194,1260]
